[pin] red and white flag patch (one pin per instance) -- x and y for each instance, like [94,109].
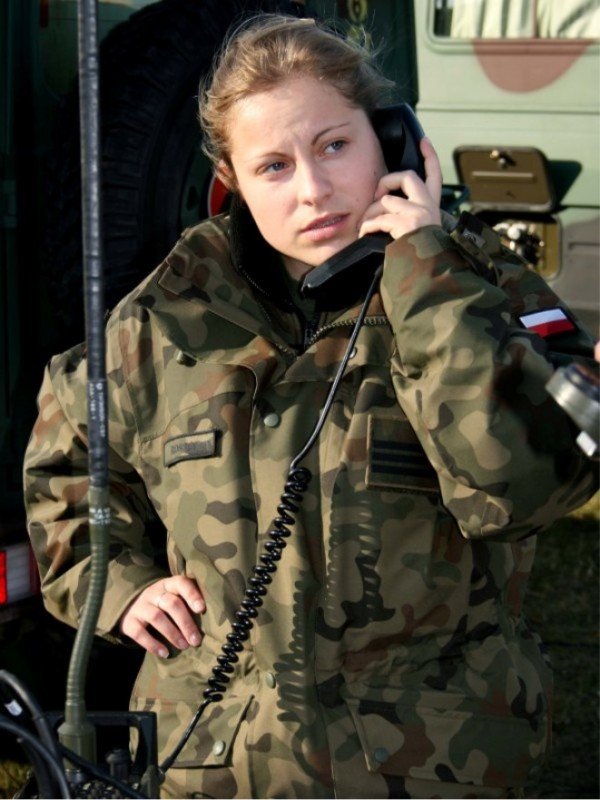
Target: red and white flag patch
[548,322]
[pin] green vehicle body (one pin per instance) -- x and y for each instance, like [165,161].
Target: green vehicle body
[512,112]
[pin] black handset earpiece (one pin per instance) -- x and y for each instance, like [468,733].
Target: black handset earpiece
[344,277]
[400,133]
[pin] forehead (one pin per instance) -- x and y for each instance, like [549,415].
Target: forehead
[293,107]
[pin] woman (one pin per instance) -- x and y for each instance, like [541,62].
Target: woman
[389,657]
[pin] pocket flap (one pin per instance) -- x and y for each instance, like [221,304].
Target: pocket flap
[418,740]
[211,741]
[379,733]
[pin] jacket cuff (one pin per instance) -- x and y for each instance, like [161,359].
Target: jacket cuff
[129,574]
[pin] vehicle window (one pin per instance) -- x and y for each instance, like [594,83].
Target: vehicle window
[517,19]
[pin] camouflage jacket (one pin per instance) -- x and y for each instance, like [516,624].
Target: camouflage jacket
[390,647]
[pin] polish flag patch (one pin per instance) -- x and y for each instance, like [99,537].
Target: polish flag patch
[547,323]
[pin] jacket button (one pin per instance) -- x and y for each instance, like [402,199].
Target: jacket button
[353,352]
[270,680]
[271,420]
[184,359]
[218,747]
[381,754]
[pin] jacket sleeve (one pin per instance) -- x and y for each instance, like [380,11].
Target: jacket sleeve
[56,484]
[470,377]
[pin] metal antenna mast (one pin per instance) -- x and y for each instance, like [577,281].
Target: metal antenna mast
[77,733]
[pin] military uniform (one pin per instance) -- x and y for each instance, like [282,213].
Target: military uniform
[390,657]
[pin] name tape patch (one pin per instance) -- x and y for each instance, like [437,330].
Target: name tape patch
[548,322]
[190,446]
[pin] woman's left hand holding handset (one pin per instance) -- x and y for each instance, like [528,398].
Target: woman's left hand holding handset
[421,205]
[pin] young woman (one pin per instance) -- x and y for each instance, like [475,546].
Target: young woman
[388,657]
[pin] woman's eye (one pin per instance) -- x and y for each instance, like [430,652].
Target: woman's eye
[333,147]
[275,166]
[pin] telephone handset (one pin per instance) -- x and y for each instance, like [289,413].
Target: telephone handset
[340,280]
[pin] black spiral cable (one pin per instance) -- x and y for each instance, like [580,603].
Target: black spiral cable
[296,484]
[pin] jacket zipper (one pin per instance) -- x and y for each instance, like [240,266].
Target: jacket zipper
[311,331]
[347,323]
[282,348]
[310,328]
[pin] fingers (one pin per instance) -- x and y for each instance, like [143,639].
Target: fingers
[165,607]
[136,630]
[407,182]
[420,205]
[398,216]
[189,591]
[433,171]
[175,621]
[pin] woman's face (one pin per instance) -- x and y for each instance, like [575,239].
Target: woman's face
[307,164]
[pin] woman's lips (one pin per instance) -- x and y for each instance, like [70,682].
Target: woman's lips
[325,227]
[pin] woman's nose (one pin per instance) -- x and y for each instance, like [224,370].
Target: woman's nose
[314,185]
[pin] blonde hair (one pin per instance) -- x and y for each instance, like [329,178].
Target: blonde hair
[271,48]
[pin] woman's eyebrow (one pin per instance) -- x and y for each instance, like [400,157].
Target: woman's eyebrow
[328,130]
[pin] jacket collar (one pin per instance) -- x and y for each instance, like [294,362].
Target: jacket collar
[255,260]
[198,280]
[209,272]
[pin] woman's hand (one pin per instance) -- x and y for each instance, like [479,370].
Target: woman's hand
[165,606]
[421,206]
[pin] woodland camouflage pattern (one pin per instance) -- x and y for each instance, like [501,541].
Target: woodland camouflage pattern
[390,658]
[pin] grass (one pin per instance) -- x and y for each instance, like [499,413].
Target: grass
[12,776]
[562,604]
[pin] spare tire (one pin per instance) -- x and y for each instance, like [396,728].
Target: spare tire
[154,177]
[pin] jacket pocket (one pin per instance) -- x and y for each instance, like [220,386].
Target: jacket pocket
[432,736]
[197,475]
[211,743]
[396,459]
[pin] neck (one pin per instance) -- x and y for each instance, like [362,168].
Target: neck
[295,269]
